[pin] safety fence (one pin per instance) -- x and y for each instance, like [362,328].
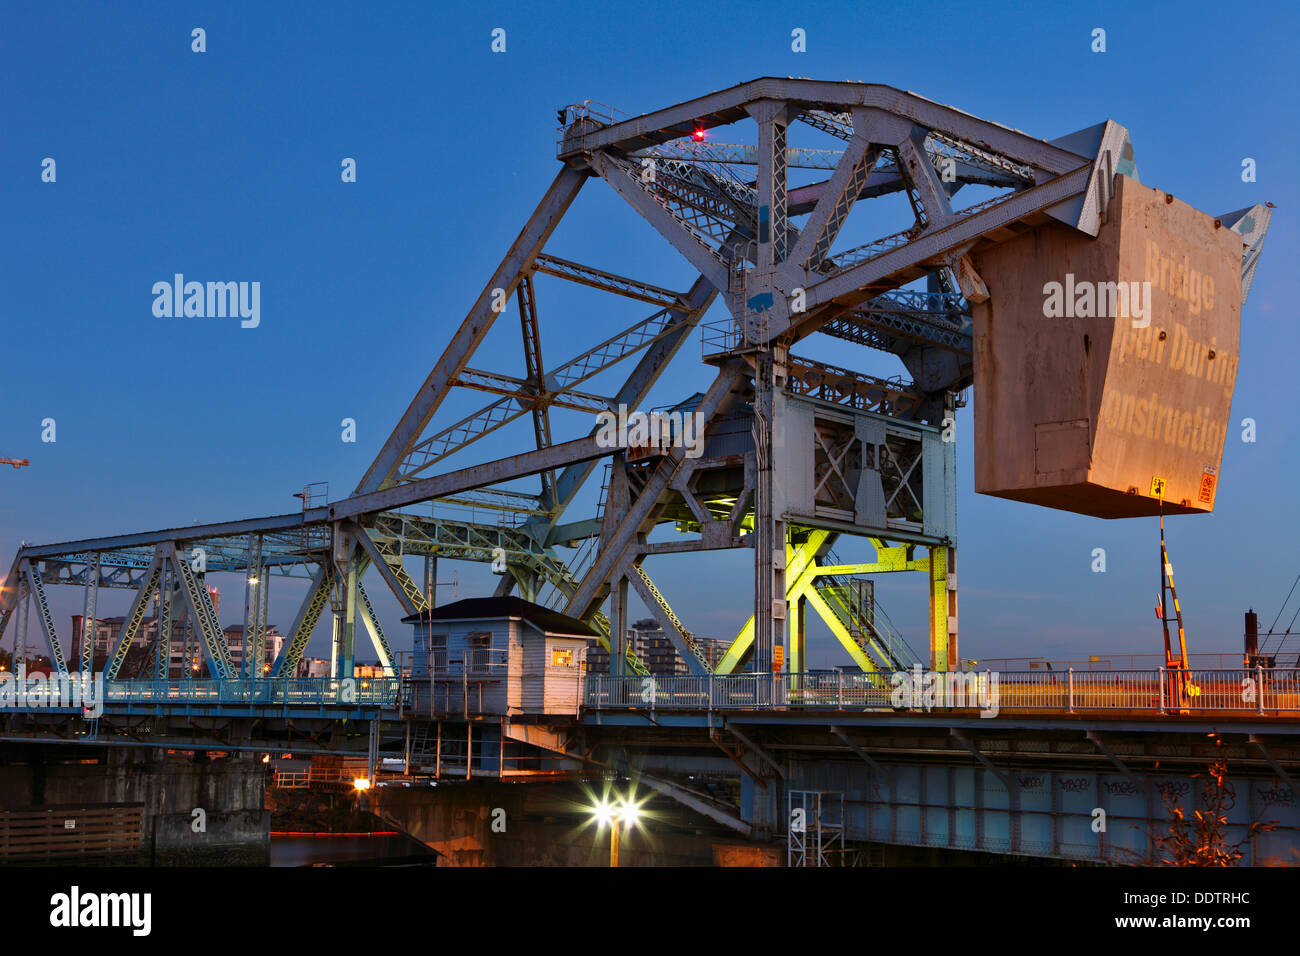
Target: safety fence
[307,691]
[1263,691]
[36,834]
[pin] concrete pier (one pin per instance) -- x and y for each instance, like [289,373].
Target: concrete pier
[197,810]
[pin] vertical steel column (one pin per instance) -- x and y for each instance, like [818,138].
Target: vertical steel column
[618,629]
[20,633]
[348,657]
[799,616]
[335,629]
[89,615]
[527,581]
[772,119]
[249,664]
[769,371]
[263,614]
[769,529]
[943,607]
[372,751]
[163,639]
[406,758]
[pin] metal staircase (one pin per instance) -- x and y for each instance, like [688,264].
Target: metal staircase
[868,625]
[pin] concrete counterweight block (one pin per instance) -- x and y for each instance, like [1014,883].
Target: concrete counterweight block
[1105,367]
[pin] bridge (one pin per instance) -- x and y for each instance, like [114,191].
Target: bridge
[796,456]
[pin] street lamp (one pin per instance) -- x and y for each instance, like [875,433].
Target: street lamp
[617,816]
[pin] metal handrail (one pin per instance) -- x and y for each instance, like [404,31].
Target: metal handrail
[1167,691]
[376,691]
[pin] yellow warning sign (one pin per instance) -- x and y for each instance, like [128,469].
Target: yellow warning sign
[778,659]
[1207,487]
[1157,486]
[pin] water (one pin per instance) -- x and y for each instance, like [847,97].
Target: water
[349,850]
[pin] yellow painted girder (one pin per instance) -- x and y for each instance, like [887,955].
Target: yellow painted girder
[798,567]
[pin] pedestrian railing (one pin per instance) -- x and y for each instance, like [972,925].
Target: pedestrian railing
[1262,691]
[291,779]
[324,691]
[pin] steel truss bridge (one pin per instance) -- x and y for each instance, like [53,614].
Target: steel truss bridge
[774,234]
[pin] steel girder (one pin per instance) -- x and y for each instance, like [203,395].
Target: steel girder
[532,396]
[816,97]
[909,133]
[203,615]
[820,585]
[20,629]
[378,638]
[594,586]
[636,389]
[291,525]
[608,281]
[134,618]
[388,561]
[37,588]
[163,641]
[305,621]
[257,588]
[522,253]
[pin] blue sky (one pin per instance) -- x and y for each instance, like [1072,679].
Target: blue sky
[225,165]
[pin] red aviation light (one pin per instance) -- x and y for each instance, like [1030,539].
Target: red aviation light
[698,135]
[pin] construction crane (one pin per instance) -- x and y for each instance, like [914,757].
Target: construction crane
[16,462]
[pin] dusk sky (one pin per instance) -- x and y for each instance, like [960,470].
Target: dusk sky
[225,166]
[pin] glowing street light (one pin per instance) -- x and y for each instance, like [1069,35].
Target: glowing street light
[617,816]
[361,784]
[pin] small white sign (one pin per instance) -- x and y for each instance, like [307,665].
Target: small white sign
[69,824]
